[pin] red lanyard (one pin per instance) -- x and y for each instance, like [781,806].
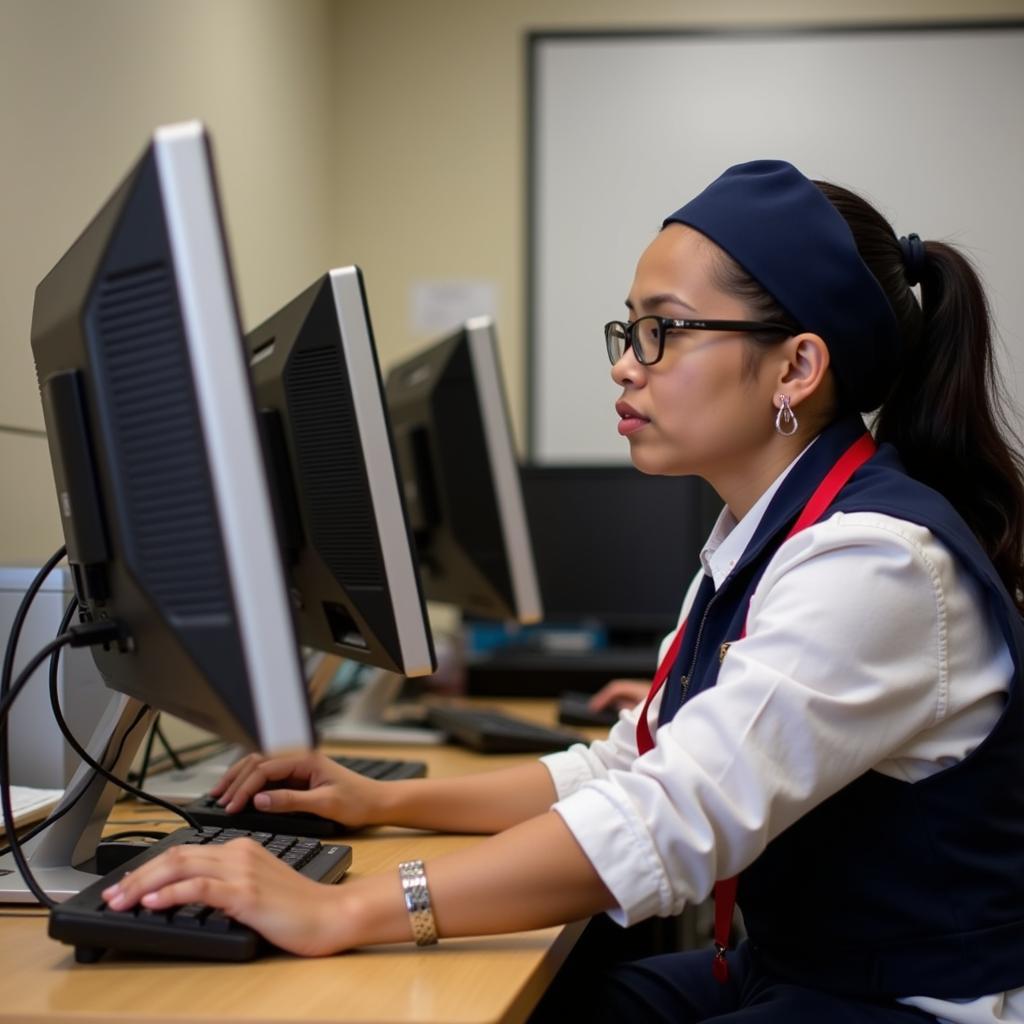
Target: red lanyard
[725,888]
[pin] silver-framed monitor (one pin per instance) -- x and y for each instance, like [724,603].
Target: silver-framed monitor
[355,585]
[160,479]
[460,476]
[461,484]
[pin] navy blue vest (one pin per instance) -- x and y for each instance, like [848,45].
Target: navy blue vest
[886,888]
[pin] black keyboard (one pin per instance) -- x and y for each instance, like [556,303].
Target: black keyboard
[207,811]
[193,930]
[494,732]
[383,768]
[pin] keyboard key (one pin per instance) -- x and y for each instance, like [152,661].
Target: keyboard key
[218,921]
[191,915]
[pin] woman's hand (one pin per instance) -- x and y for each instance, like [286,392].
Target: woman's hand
[485,802]
[620,693]
[248,884]
[310,782]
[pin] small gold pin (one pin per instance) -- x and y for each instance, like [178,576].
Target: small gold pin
[723,651]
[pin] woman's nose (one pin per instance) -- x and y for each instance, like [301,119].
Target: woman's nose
[626,369]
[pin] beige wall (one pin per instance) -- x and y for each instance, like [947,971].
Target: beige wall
[82,84]
[431,111]
[384,132]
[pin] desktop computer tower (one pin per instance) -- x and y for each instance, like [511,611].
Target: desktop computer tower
[40,756]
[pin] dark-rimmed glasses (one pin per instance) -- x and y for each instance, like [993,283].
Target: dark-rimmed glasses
[646,334]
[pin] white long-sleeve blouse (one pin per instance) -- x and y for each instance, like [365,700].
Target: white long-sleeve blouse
[867,648]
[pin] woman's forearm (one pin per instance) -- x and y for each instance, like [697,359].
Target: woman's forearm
[530,876]
[486,802]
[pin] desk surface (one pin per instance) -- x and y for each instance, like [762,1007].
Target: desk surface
[498,978]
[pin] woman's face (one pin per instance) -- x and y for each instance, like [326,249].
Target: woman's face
[700,409]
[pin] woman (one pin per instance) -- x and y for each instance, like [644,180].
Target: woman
[839,720]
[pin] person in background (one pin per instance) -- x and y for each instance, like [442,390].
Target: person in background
[835,735]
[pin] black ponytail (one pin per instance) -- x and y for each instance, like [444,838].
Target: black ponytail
[944,411]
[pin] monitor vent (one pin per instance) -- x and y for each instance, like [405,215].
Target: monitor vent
[330,462]
[162,478]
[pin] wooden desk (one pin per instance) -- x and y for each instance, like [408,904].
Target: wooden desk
[498,978]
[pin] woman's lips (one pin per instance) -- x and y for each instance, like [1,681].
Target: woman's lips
[630,421]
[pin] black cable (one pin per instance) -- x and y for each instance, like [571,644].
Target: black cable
[61,721]
[22,613]
[76,636]
[96,766]
[25,674]
[73,637]
[64,623]
[73,742]
[11,650]
[142,833]
[5,789]
[55,706]
[58,814]
[126,786]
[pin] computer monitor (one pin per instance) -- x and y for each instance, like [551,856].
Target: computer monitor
[461,477]
[616,548]
[328,443]
[460,480]
[161,484]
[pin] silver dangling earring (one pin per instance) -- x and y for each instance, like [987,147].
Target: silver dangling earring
[785,419]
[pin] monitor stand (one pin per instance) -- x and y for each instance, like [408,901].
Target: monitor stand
[364,717]
[62,857]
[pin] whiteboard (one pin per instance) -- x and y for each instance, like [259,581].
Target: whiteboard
[926,123]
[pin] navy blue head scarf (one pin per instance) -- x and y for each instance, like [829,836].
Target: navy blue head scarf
[781,229]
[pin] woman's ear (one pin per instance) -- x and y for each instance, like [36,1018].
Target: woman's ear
[804,366]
